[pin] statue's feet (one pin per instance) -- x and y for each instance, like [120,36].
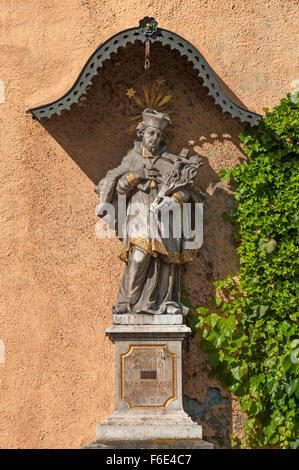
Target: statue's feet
[173,310]
[119,309]
[125,308]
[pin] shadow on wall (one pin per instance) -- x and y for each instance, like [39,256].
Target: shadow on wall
[95,134]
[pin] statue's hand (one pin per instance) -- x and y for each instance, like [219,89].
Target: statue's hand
[151,173]
[146,173]
[166,203]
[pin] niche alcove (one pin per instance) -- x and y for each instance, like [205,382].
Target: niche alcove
[94,123]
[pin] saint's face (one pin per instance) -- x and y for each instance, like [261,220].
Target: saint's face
[152,138]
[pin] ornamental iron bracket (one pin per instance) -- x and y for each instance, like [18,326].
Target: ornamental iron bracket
[147,30]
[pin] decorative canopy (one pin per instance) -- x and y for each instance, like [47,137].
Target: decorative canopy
[147,30]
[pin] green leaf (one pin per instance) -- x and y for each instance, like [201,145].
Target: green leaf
[214,358]
[227,325]
[270,429]
[234,441]
[250,424]
[205,333]
[237,373]
[202,310]
[192,322]
[200,322]
[185,301]
[216,301]
[212,319]
[294,444]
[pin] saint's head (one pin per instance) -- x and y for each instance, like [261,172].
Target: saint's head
[150,130]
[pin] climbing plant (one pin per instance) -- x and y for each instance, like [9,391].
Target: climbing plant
[252,336]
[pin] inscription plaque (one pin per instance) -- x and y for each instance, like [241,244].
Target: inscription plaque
[148,376]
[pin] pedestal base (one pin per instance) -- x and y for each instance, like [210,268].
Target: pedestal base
[147,319]
[149,425]
[148,401]
[152,444]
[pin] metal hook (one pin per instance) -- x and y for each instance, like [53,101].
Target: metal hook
[147,63]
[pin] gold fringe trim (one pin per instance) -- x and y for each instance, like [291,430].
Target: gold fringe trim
[178,258]
[153,247]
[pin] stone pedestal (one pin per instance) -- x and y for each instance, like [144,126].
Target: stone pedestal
[148,396]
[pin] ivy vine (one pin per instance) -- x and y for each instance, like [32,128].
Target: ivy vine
[252,339]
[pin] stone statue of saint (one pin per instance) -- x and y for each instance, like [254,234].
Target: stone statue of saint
[152,179]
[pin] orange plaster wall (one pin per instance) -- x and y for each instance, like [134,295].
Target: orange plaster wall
[58,281]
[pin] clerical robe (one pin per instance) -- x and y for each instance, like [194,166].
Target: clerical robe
[151,280]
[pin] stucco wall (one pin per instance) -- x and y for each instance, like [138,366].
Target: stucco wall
[58,281]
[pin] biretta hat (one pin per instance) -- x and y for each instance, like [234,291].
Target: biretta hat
[155,119]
